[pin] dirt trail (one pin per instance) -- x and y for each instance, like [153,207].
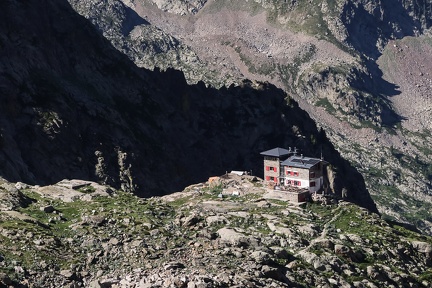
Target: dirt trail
[323,233]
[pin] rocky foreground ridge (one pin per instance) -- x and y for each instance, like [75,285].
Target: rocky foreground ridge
[80,234]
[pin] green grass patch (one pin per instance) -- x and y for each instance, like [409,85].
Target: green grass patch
[351,220]
[252,7]
[325,103]
[426,276]
[180,201]
[87,189]
[319,210]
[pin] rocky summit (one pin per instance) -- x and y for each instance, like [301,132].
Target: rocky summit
[229,232]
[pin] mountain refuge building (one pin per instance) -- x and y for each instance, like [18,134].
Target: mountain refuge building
[286,169]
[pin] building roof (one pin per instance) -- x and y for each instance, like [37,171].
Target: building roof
[301,162]
[276,152]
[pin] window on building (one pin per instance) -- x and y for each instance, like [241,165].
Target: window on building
[312,184]
[296,173]
[267,178]
[267,168]
[297,183]
[273,169]
[312,174]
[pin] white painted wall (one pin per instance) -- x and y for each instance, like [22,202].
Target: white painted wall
[305,183]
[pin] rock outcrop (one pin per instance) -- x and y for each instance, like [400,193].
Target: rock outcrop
[194,238]
[148,46]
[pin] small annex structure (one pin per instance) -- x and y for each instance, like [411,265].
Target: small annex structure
[285,169]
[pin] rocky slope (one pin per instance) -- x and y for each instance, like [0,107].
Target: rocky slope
[81,234]
[74,107]
[147,45]
[337,58]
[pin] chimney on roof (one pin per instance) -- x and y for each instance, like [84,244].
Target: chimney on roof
[301,155]
[295,150]
[289,150]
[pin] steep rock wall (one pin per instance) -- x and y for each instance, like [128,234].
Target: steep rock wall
[74,107]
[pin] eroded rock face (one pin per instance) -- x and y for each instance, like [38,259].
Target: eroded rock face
[180,7]
[145,44]
[78,109]
[11,197]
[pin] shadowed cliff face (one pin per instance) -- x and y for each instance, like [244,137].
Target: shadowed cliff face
[74,107]
[324,54]
[379,21]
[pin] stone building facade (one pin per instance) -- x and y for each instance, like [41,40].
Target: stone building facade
[285,168]
[272,164]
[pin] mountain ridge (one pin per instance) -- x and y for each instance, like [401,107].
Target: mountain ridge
[74,107]
[103,119]
[369,112]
